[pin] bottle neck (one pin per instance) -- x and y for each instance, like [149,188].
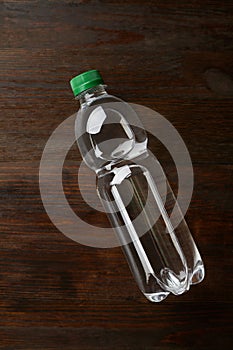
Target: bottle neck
[87,96]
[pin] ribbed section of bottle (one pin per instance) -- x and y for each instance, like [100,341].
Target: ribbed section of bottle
[140,216]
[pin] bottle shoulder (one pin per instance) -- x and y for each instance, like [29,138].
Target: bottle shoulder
[108,130]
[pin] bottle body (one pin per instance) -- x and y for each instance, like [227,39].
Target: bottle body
[138,199]
[163,259]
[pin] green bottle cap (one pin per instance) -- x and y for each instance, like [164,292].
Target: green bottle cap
[85,81]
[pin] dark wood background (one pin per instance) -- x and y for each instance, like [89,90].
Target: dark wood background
[173,56]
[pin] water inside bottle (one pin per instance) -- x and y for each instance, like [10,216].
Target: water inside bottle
[150,242]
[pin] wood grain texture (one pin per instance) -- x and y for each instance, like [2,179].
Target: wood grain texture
[174,57]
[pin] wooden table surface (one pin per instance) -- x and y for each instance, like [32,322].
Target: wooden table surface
[175,57]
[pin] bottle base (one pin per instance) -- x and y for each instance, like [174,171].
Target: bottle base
[156,297]
[175,284]
[176,289]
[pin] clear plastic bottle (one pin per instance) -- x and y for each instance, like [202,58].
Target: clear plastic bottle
[135,192]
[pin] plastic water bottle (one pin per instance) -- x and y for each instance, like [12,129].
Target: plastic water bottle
[134,192]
